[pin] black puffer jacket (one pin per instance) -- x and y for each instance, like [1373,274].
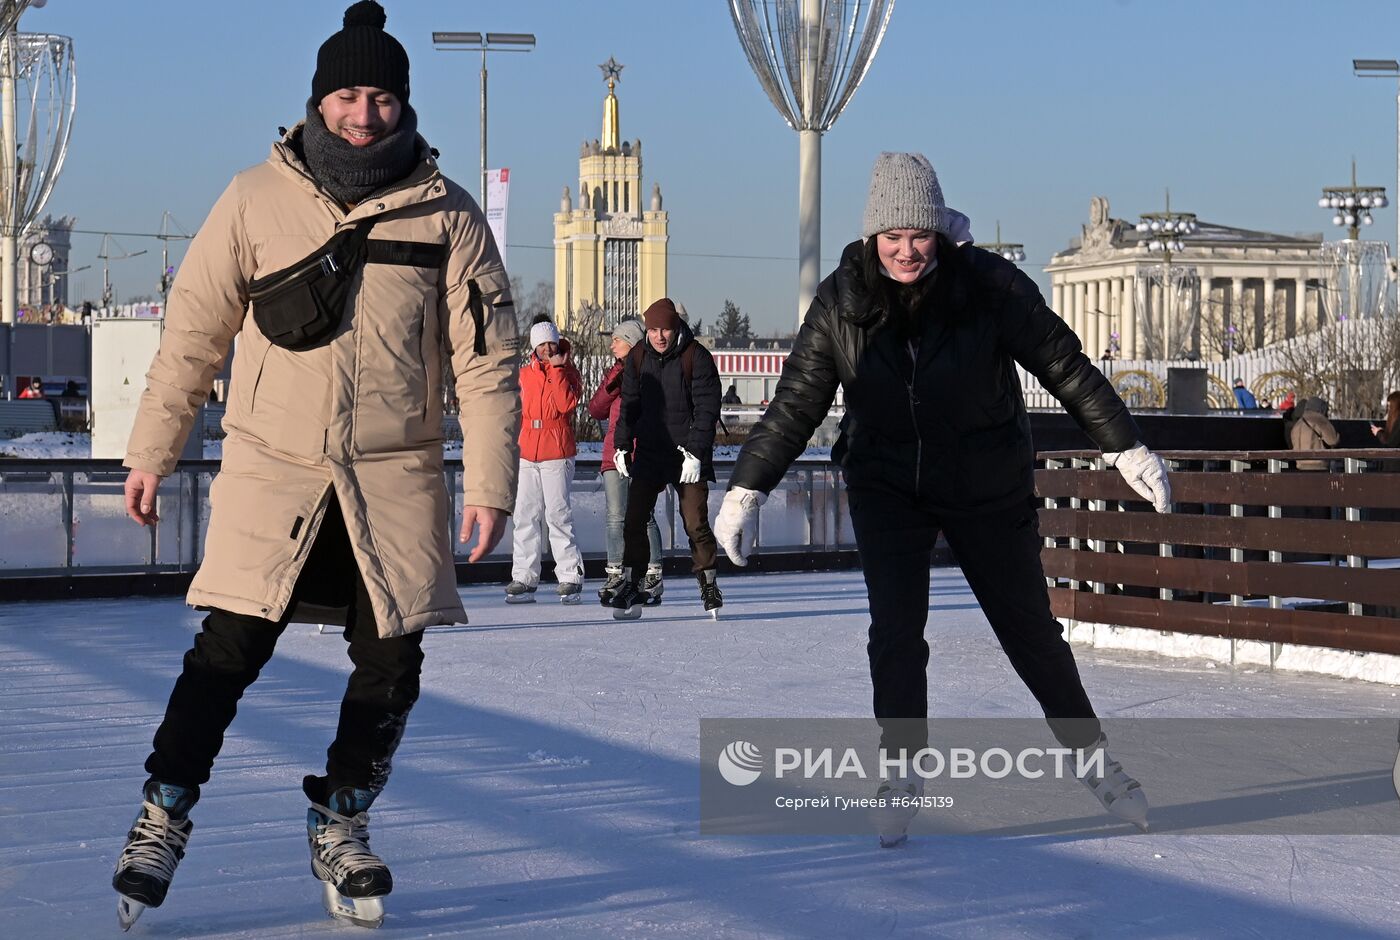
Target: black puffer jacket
[949,431]
[662,409]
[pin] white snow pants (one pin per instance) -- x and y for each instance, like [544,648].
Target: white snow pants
[542,499]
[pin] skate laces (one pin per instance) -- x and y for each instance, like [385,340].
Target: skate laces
[342,842]
[156,843]
[1114,784]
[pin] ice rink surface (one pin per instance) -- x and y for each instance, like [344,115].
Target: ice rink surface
[548,784]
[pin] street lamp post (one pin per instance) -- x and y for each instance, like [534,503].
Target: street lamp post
[1352,205]
[1166,230]
[483,42]
[1386,68]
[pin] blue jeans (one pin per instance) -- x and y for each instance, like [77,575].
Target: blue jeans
[616,486]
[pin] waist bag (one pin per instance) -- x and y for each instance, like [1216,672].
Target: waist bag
[300,306]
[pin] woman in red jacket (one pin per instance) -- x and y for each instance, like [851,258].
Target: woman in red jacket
[604,406]
[550,387]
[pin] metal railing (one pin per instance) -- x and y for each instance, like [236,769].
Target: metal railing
[67,518]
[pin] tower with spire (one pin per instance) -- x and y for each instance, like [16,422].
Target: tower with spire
[610,239]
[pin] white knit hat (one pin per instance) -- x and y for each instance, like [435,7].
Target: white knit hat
[543,332]
[904,193]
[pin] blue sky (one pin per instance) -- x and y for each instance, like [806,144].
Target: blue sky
[1244,108]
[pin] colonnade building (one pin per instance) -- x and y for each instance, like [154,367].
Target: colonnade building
[1229,289]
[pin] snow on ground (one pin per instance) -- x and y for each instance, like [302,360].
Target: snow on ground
[548,784]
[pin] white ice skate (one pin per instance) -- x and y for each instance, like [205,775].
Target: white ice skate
[900,799]
[518,592]
[1120,794]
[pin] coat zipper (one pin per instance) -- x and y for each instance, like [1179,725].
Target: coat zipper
[914,415]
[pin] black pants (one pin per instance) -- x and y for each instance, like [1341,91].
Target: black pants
[232,649]
[695,513]
[1000,556]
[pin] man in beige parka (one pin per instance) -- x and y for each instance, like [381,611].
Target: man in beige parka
[331,497]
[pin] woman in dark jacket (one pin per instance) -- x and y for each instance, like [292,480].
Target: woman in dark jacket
[665,437]
[604,406]
[923,335]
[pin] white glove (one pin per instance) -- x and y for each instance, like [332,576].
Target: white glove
[737,522]
[620,463]
[690,466]
[1146,473]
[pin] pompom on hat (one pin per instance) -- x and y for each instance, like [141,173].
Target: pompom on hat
[361,54]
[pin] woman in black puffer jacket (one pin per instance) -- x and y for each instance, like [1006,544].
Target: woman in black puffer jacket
[923,331]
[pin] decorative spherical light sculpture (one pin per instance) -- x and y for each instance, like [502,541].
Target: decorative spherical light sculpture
[810,57]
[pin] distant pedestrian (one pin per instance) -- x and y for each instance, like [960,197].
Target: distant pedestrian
[1310,429]
[1388,434]
[731,396]
[34,390]
[1244,398]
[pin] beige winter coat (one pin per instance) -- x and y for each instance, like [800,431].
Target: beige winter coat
[360,415]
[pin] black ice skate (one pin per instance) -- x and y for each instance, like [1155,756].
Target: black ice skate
[627,602]
[653,586]
[337,830]
[154,846]
[709,593]
[1120,794]
[610,586]
[518,592]
[570,592]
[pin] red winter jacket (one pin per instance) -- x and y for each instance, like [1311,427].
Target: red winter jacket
[548,396]
[604,406]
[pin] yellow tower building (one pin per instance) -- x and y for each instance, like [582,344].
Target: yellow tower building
[609,252]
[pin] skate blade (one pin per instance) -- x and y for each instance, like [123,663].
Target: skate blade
[128,911]
[894,842]
[1395,775]
[652,602]
[520,598]
[362,912]
[714,614]
[570,598]
[628,613]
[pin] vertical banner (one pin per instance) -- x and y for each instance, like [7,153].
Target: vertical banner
[497,203]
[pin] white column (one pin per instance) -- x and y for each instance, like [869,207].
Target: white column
[1080,290]
[1092,344]
[1300,306]
[1271,330]
[1115,307]
[1057,300]
[1129,318]
[1237,316]
[809,218]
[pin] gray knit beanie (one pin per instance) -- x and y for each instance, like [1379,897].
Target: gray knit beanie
[904,193]
[629,330]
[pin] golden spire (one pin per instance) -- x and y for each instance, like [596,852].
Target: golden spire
[612,136]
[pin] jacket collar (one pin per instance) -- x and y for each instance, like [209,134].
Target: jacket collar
[426,182]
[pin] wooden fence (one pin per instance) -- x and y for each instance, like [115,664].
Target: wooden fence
[1254,549]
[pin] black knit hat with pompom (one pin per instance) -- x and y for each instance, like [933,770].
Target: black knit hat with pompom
[361,54]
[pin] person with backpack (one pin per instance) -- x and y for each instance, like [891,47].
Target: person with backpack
[628,334]
[665,436]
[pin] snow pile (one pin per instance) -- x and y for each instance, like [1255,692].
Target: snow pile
[48,445]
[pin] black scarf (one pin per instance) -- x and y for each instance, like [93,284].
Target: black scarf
[351,173]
